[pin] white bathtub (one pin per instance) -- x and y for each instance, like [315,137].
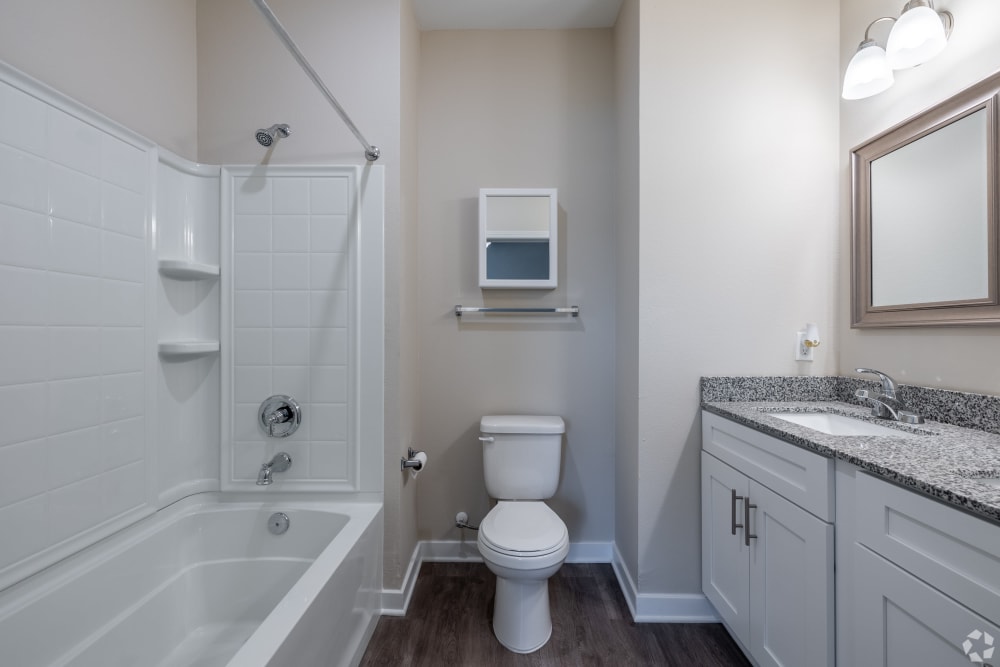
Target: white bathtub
[203,582]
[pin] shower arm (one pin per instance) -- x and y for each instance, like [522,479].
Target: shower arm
[371,152]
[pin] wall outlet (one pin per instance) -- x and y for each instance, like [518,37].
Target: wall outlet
[802,351]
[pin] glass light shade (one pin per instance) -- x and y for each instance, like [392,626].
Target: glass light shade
[916,37]
[868,73]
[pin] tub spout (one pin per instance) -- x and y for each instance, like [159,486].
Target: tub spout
[280,463]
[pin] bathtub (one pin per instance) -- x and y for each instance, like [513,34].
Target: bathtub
[204,582]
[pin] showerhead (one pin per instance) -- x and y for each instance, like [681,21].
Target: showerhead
[266,137]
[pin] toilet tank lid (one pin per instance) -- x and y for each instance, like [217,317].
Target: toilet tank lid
[522,424]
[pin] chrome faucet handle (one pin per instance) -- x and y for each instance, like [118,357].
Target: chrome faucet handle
[888,384]
[279,416]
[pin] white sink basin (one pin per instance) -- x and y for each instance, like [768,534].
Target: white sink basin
[834,424]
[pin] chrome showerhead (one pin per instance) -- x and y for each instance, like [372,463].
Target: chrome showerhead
[266,137]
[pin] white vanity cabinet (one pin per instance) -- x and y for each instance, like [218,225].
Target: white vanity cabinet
[926,580]
[768,543]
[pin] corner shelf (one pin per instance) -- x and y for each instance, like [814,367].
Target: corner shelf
[182,269]
[181,349]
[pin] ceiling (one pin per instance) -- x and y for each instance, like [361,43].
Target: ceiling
[515,14]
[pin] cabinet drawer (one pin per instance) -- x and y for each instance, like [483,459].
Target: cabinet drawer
[801,476]
[949,549]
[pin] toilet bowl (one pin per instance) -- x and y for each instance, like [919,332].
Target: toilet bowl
[523,543]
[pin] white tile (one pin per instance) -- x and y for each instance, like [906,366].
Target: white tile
[251,383]
[328,233]
[252,347]
[123,164]
[252,195]
[328,384]
[28,520]
[25,238]
[123,211]
[329,460]
[122,349]
[252,233]
[290,347]
[74,300]
[74,456]
[245,422]
[73,404]
[23,180]
[328,346]
[76,248]
[123,304]
[22,354]
[24,297]
[252,308]
[329,195]
[290,233]
[29,402]
[328,271]
[125,440]
[329,421]
[74,196]
[291,195]
[292,381]
[290,309]
[123,489]
[73,143]
[291,271]
[328,309]
[124,257]
[22,120]
[122,396]
[252,271]
[73,352]
[247,458]
[23,473]
[75,508]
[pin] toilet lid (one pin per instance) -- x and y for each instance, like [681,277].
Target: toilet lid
[523,528]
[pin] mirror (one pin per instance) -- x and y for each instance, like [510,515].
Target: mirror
[518,238]
[925,217]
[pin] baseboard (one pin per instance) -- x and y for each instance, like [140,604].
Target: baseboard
[661,607]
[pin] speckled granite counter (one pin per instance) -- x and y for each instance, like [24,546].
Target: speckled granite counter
[937,459]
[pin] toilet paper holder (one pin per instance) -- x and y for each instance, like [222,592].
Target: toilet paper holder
[411,463]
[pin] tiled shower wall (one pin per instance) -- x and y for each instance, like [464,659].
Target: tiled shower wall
[293,302]
[74,358]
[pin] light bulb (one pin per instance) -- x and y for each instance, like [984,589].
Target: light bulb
[916,37]
[868,73]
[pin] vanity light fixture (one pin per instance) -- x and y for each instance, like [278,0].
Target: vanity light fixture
[808,340]
[920,33]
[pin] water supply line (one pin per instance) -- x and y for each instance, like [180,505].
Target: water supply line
[372,153]
[462,521]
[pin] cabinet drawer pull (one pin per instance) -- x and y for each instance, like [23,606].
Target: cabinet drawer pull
[747,506]
[733,510]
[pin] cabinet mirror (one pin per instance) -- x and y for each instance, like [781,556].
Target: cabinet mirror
[518,238]
[925,217]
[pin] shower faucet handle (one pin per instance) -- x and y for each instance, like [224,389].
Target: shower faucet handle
[279,416]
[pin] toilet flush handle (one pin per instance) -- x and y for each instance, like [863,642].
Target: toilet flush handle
[486,438]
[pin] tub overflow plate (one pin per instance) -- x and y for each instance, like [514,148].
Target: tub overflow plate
[278,523]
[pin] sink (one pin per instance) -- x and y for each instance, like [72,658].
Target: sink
[834,424]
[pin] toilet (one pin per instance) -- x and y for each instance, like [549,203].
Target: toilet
[522,540]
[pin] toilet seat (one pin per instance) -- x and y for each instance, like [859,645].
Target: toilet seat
[523,529]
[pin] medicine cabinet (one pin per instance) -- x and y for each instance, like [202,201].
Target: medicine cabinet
[518,238]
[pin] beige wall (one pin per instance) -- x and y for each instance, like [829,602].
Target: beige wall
[953,358]
[738,225]
[516,109]
[132,60]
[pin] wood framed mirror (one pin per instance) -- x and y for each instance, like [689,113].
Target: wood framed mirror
[925,217]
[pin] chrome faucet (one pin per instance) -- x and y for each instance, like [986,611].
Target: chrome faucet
[280,463]
[887,404]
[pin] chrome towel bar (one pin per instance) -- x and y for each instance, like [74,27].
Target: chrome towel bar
[568,310]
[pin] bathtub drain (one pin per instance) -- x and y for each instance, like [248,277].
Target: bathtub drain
[277,523]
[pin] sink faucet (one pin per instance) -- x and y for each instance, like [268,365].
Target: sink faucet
[280,463]
[887,404]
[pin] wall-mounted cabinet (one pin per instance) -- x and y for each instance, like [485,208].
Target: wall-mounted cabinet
[518,238]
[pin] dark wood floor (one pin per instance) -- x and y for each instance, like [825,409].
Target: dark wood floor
[449,622]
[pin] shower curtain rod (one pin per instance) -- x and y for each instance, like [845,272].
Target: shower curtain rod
[371,152]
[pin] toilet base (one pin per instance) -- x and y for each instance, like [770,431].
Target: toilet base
[521,618]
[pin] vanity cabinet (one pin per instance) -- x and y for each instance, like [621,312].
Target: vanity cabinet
[926,577]
[768,543]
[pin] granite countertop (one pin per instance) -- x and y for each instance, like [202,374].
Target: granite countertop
[937,459]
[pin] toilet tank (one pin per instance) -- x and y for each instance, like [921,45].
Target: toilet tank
[521,455]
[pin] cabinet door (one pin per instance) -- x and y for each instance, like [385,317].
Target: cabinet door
[725,564]
[791,583]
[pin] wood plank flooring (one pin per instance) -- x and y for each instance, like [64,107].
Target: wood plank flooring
[449,622]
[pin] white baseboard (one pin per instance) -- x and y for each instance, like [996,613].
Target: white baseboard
[661,607]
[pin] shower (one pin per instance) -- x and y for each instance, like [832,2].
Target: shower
[266,137]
